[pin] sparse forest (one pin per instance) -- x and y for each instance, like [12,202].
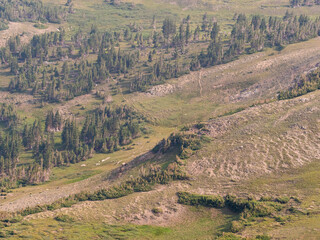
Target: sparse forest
[159,119]
[103,132]
[33,70]
[29,10]
[55,68]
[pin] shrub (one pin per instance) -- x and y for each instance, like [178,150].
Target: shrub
[15,219]
[199,125]
[307,83]
[40,26]
[265,199]
[236,226]
[280,219]
[247,207]
[2,234]
[33,210]
[202,200]
[295,210]
[297,200]
[185,143]
[63,218]
[157,210]
[263,237]
[282,200]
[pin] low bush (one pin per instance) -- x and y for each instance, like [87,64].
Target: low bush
[186,144]
[3,234]
[263,237]
[157,211]
[200,200]
[64,218]
[236,226]
[249,208]
[283,200]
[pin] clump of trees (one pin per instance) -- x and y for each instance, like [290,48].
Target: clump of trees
[53,122]
[248,35]
[298,3]
[183,143]
[104,131]
[252,35]
[306,83]
[77,75]
[161,71]
[108,128]
[248,208]
[28,63]
[13,174]
[30,10]
[8,116]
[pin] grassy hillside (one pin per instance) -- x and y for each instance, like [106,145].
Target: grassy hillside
[255,174]
[141,12]
[259,146]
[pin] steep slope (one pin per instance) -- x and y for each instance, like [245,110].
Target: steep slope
[218,90]
[263,139]
[262,151]
[257,144]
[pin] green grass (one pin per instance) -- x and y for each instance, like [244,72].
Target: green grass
[106,16]
[167,114]
[54,229]
[79,176]
[76,173]
[201,224]
[173,110]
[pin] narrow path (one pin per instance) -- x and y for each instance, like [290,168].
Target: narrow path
[199,80]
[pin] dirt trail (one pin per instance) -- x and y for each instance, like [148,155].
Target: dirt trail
[199,79]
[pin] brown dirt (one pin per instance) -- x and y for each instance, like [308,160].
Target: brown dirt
[273,137]
[65,107]
[20,100]
[25,29]
[135,208]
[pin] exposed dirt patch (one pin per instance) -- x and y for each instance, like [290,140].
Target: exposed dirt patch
[136,208]
[161,90]
[25,29]
[20,100]
[273,137]
[65,107]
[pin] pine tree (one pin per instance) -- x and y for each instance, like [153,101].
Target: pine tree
[215,32]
